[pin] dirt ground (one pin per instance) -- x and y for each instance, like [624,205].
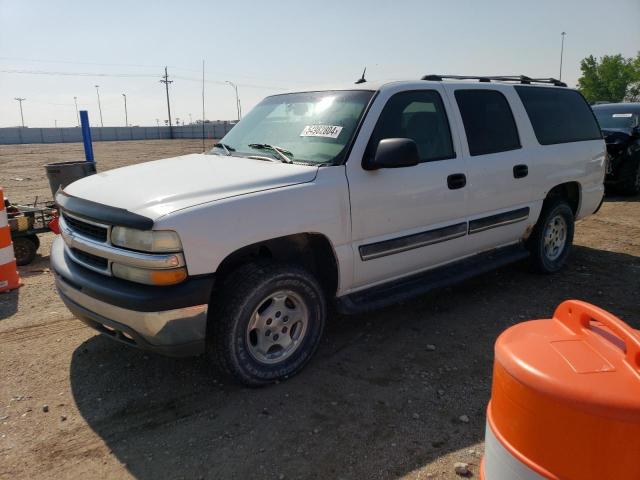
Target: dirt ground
[375,403]
[22,173]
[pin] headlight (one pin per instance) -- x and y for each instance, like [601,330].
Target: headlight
[149,277]
[146,240]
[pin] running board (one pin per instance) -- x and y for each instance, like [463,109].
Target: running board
[450,274]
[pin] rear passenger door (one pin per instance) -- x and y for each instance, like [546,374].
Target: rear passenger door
[500,193]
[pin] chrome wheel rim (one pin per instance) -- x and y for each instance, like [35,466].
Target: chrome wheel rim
[277,327]
[555,237]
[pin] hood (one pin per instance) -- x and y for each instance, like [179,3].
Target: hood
[153,189]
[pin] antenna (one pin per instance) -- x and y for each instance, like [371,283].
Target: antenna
[362,79]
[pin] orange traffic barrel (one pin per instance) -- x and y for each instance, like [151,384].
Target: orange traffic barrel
[565,400]
[9,278]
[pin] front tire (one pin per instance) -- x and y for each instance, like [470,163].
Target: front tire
[552,237]
[266,323]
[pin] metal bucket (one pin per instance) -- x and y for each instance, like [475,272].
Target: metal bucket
[63,173]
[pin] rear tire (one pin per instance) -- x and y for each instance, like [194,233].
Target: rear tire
[629,177]
[24,249]
[552,237]
[265,323]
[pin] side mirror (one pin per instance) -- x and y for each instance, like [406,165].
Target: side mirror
[635,131]
[394,153]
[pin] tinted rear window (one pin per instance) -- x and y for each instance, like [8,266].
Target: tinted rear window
[488,121]
[558,115]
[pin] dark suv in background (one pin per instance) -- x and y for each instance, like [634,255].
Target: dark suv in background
[620,124]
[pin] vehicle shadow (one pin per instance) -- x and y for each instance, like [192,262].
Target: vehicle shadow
[376,402]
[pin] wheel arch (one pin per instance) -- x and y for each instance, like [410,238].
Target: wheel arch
[312,251]
[569,191]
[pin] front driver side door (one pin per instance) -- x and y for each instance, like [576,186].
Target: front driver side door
[409,219]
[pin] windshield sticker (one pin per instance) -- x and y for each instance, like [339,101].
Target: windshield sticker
[328,131]
[622,115]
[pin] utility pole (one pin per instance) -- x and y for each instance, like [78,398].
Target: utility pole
[99,106]
[166,81]
[20,100]
[235,87]
[126,118]
[563,34]
[75,100]
[203,147]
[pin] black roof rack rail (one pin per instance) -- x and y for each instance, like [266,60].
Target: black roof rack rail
[503,78]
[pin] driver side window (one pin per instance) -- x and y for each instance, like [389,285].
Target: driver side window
[420,116]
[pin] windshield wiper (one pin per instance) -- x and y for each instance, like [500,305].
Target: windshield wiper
[227,148]
[282,153]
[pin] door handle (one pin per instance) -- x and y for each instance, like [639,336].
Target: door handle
[520,171]
[456,180]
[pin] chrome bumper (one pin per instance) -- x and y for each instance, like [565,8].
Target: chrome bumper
[178,332]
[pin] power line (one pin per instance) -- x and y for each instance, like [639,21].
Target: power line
[135,65]
[129,75]
[69,62]
[245,85]
[77,74]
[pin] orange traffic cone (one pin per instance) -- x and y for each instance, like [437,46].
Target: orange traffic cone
[9,277]
[565,400]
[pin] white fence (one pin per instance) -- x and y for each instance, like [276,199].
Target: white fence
[9,136]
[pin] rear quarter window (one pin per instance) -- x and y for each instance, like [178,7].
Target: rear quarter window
[559,115]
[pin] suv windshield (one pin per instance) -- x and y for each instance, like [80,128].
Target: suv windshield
[311,127]
[610,118]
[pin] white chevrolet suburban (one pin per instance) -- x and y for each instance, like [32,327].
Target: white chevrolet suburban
[360,196]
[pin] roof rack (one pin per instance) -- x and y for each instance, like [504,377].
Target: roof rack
[506,78]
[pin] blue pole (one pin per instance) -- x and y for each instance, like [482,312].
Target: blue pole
[86,135]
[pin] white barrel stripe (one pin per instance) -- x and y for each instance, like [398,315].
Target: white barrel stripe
[499,464]
[3,218]
[6,255]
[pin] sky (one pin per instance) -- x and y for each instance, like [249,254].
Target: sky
[53,51]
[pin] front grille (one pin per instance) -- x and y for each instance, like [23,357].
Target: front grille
[86,229]
[89,259]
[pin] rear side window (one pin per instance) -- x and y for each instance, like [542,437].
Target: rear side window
[558,115]
[420,116]
[488,121]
